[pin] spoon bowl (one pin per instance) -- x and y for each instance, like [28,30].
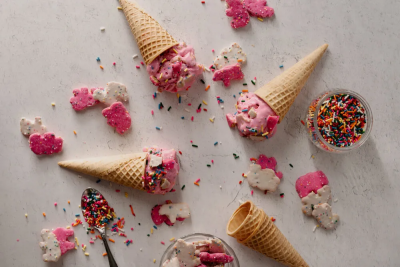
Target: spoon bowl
[91,198]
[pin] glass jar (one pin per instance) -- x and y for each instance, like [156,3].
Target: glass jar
[169,252]
[312,122]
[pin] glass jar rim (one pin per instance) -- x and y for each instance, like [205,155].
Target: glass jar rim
[369,122]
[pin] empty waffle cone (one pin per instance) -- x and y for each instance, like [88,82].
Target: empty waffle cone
[281,92]
[265,237]
[151,38]
[126,170]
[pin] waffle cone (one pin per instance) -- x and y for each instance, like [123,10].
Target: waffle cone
[265,236]
[151,38]
[281,92]
[126,170]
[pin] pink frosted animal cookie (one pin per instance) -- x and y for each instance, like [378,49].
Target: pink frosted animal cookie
[269,163]
[228,73]
[55,243]
[118,117]
[46,144]
[258,8]
[237,10]
[82,98]
[311,182]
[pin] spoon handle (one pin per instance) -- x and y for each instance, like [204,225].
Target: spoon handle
[109,255]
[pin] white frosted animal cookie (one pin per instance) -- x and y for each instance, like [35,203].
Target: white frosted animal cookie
[175,210]
[325,217]
[113,92]
[51,245]
[309,202]
[230,56]
[264,179]
[29,127]
[185,252]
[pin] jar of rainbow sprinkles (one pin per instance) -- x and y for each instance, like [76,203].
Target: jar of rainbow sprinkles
[339,121]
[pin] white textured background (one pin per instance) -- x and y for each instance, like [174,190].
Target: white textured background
[48,48]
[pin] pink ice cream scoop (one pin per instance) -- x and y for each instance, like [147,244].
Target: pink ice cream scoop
[311,182]
[161,170]
[215,258]
[175,69]
[254,117]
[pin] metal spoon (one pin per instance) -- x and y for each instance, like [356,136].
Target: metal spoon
[102,230]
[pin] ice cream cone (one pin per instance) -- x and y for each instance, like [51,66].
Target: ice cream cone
[265,237]
[151,38]
[281,92]
[126,170]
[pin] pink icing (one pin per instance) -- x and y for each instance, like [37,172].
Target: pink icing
[118,117]
[62,235]
[167,170]
[269,163]
[159,219]
[259,8]
[47,143]
[310,182]
[82,98]
[175,69]
[237,10]
[223,258]
[265,121]
[228,73]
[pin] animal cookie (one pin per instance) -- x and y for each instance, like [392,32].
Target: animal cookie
[325,217]
[82,98]
[228,73]
[230,56]
[312,200]
[55,243]
[258,8]
[113,92]
[222,258]
[237,10]
[264,179]
[269,163]
[118,117]
[311,182]
[45,144]
[170,213]
[29,127]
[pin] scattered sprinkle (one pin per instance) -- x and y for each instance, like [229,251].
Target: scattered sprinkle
[104,254]
[141,62]
[102,29]
[182,118]
[114,63]
[26,215]
[154,260]
[197,184]
[44,214]
[152,112]
[252,192]
[205,103]
[98,181]
[162,243]
[315,228]
[180,152]
[172,239]
[151,230]
[216,143]
[74,132]
[208,165]
[101,67]
[192,118]
[183,187]
[193,145]
[98,59]
[203,82]
[55,204]
[281,66]
[119,8]
[169,108]
[290,165]
[111,240]
[158,128]
[134,56]
[53,104]
[155,227]
[302,122]
[137,66]
[273,219]
[64,210]
[240,182]
[282,195]
[133,213]
[208,87]
[253,82]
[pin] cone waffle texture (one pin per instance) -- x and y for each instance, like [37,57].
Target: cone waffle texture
[126,170]
[151,38]
[265,236]
[281,92]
